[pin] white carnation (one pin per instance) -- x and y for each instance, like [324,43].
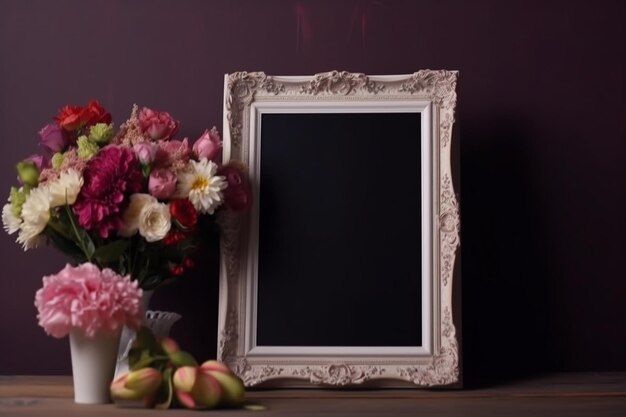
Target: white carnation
[154,221]
[35,215]
[66,188]
[131,216]
[11,222]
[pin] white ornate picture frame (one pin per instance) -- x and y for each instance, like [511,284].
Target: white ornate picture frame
[436,362]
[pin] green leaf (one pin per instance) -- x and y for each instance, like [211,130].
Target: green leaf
[146,340]
[111,252]
[82,237]
[182,359]
[167,390]
[65,245]
[145,359]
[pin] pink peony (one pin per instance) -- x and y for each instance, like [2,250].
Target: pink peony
[209,146]
[162,183]
[238,194]
[173,154]
[157,125]
[109,178]
[88,299]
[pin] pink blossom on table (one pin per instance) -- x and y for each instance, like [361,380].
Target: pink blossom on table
[173,154]
[209,146]
[157,125]
[145,152]
[238,194]
[53,138]
[86,298]
[109,178]
[162,183]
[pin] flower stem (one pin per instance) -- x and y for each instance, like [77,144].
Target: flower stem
[80,240]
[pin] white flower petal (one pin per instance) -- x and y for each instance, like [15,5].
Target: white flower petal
[35,215]
[11,222]
[138,202]
[66,188]
[201,186]
[154,221]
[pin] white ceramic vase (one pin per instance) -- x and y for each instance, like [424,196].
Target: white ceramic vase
[93,364]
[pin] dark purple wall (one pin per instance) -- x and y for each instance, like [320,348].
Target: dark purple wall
[542,117]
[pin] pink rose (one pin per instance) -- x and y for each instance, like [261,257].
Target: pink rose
[53,138]
[209,145]
[162,183]
[157,125]
[145,152]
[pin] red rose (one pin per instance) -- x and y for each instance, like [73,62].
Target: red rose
[184,213]
[70,117]
[94,113]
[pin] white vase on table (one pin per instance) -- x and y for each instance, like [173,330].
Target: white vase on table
[93,365]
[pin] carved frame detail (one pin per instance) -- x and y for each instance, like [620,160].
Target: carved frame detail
[441,368]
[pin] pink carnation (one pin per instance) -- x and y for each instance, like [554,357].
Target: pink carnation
[88,299]
[158,125]
[109,178]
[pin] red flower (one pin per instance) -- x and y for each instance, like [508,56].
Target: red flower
[95,113]
[73,117]
[183,211]
[70,117]
[238,194]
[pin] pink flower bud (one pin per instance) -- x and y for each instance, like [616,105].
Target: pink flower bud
[209,146]
[145,152]
[195,389]
[136,385]
[185,378]
[233,390]
[144,381]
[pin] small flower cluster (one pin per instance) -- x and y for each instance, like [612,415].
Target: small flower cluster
[130,200]
[86,298]
[162,375]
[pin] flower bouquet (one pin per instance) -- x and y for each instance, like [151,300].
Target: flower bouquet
[133,200]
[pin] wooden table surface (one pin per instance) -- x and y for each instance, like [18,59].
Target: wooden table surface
[567,394]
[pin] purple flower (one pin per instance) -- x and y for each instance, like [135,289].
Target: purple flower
[53,138]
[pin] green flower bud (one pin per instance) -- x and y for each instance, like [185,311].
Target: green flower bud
[101,133]
[86,148]
[17,199]
[28,173]
[57,160]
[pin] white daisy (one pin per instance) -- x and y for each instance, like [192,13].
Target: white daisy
[65,189]
[11,221]
[201,186]
[35,213]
